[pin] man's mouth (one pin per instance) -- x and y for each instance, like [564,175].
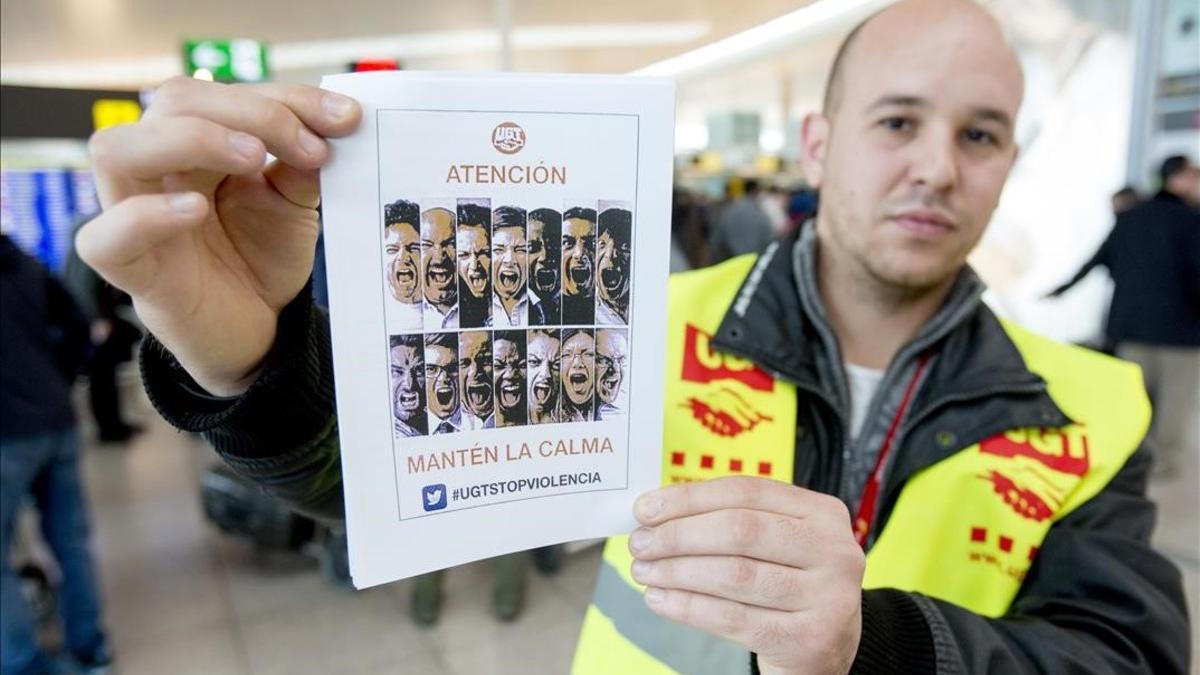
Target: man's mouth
[409,400]
[439,275]
[582,276]
[477,281]
[479,396]
[607,388]
[611,278]
[510,392]
[544,278]
[579,381]
[924,223]
[509,278]
[541,391]
[444,395]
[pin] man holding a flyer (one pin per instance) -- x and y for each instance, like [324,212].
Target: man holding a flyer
[905,483]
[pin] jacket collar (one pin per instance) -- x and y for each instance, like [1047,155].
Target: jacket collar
[777,321]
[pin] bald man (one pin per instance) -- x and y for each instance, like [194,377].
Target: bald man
[866,470]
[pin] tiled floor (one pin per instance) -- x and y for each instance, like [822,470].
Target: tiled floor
[182,598]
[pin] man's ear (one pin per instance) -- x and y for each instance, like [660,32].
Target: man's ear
[814,139]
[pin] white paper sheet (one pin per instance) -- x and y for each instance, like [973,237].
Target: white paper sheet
[445,462]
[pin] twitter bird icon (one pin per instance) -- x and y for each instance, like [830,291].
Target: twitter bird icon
[433,497]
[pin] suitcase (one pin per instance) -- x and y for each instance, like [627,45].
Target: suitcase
[238,506]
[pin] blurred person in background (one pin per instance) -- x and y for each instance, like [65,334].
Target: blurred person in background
[1153,257]
[1124,199]
[802,205]
[742,226]
[509,580]
[689,231]
[44,335]
[774,201]
[113,338]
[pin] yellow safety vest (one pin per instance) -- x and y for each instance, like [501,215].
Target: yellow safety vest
[964,530]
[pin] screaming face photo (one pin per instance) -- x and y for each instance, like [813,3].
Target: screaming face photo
[408,385]
[543,366]
[475,379]
[545,250]
[474,263]
[614,256]
[508,364]
[510,254]
[577,367]
[441,382]
[438,268]
[579,266]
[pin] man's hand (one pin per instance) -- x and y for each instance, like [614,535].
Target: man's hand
[770,566]
[209,240]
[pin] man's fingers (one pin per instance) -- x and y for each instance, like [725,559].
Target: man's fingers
[301,187]
[117,243]
[744,580]
[290,119]
[330,115]
[156,147]
[740,532]
[763,494]
[750,627]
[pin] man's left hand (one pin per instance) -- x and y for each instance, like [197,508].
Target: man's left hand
[770,566]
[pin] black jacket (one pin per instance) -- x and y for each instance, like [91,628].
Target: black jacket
[1153,256]
[1098,598]
[43,338]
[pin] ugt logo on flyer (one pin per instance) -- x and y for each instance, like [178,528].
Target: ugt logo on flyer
[433,497]
[508,138]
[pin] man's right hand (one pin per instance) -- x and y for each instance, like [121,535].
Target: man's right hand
[209,240]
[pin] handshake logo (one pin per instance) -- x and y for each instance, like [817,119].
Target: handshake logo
[433,497]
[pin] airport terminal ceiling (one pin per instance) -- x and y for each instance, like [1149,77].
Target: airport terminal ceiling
[617,36]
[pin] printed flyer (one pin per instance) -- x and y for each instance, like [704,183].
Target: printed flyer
[497,250]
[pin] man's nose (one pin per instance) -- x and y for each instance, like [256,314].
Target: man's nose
[935,160]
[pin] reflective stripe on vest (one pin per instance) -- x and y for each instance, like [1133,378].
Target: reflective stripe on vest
[964,530]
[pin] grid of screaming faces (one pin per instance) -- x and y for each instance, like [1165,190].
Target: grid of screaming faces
[555,286]
[464,265]
[482,379]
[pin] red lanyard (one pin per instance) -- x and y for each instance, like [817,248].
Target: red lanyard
[866,507]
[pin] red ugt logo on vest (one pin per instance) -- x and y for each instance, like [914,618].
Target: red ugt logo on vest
[1036,494]
[724,411]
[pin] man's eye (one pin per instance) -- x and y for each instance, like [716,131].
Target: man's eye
[980,137]
[896,123]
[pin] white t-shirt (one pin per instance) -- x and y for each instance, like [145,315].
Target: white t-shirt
[863,383]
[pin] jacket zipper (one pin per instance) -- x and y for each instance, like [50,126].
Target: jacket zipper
[831,479]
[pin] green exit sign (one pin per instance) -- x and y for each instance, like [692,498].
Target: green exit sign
[226,60]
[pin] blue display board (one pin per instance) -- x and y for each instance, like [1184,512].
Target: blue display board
[39,208]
